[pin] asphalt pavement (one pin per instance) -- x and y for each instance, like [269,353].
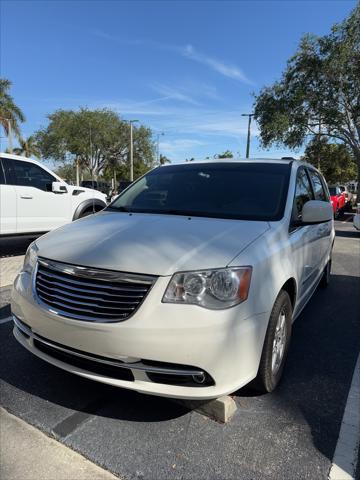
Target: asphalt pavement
[289,434]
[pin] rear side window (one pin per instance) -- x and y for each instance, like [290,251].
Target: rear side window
[319,190]
[303,193]
[29,175]
[2,176]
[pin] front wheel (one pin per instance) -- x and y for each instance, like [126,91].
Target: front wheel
[276,345]
[87,213]
[325,279]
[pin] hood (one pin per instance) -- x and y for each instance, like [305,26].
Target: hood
[91,192]
[148,243]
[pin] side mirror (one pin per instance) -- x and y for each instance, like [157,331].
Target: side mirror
[316,211]
[59,187]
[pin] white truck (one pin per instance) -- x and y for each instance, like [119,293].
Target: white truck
[34,200]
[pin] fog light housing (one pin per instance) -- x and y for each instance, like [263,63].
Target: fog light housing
[199,378]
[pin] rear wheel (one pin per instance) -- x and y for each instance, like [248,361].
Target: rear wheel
[276,345]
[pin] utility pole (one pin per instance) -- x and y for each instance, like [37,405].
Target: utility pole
[319,144]
[131,150]
[77,172]
[158,146]
[249,115]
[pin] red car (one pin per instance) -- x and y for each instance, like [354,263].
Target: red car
[337,200]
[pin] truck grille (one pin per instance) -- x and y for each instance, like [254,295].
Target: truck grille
[90,294]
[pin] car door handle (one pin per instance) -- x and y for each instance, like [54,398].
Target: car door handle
[27,197]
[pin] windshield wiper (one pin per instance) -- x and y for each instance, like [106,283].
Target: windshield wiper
[186,213]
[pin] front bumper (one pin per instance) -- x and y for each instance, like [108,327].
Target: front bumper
[224,344]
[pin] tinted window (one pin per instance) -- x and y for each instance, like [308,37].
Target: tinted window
[89,184]
[319,190]
[333,191]
[250,191]
[29,175]
[303,193]
[2,176]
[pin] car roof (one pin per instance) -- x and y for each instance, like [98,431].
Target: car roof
[12,156]
[282,161]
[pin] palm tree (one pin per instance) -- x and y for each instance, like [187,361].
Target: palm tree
[28,147]
[10,113]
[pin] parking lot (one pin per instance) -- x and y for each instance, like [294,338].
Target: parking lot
[289,434]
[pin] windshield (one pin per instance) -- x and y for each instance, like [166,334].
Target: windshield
[89,184]
[247,191]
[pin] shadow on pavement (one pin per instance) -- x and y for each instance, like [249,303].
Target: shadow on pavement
[33,376]
[324,349]
[313,393]
[348,234]
[12,246]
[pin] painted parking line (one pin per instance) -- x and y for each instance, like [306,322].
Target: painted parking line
[346,453]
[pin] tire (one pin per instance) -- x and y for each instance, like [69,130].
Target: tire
[271,363]
[87,213]
[325,279]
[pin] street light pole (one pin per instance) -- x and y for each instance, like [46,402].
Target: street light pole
[131,150]
[158,147]
[249,115]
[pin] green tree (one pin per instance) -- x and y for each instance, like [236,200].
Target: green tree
[226,154]
[67,172]
[335,161]
[98,140]
[318,93]
[28,147]
[143,152]
[164,160]
[10,113]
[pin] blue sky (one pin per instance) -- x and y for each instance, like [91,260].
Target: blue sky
[187,69]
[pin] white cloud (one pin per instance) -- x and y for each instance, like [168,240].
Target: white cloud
[195,120]
[170,93]
[180,148]
[188,51]
[231,71]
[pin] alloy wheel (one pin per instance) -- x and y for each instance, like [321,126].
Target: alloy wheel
[279,343]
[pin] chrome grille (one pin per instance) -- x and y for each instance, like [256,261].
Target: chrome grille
[90,294]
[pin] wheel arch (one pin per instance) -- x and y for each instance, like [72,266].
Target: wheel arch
[95,203]
[291,288]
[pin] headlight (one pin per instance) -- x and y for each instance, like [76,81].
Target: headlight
[30,258]
[214,289]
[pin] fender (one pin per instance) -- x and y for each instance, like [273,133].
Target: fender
[89,203]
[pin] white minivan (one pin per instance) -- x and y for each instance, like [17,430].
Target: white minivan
[33,199]
[187,284]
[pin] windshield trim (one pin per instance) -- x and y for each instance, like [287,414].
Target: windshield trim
[188,214]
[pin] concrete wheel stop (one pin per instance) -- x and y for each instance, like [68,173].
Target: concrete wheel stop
[220,409]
